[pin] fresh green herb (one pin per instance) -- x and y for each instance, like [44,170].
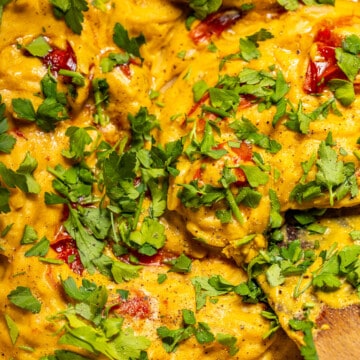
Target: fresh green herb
[101,97]
[250,292]
[337,177]
[64,355]
[99,333]
[181,264]
[71,11]
[229,341]
[161,278]
[308,350]
[29,235]
[41,248]
[202,8]
[123,41]
[171,339]
[150,238]
[38,47]
[209,287]
[76,78]
[292,5]
[276,218]
[108,63]
[78,139]
[7,141]
[3,3]
[49,112]
[24,299]
[124,272]
[249,47]
[23,177]
[245,130]
[343,91]
[199,89]
[254,175]
[12,327]
[274,323]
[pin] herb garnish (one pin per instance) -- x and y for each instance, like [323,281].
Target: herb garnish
[71,11]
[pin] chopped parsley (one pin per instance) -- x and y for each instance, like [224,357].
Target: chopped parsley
[50,111]
[71,11]
[333,175]
[92,327]
[24,299]
[7,141]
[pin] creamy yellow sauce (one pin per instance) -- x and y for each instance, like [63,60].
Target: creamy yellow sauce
[172,64]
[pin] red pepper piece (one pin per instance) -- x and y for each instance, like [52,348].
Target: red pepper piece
[66,247]
[58,59]
[320,72]
[214,24]
[135,306]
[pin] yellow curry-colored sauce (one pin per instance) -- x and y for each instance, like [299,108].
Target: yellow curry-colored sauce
[216,248]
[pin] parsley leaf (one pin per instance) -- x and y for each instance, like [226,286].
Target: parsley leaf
[23,177]
[71,11]
[209,287]
[332,174]
[7,141]
[100,89]
[202,8]
[39,249]
[124,272]
[38,47]
[12,327]
[130,45]
[49,112]
[101,334]
[150,238]
[308,350]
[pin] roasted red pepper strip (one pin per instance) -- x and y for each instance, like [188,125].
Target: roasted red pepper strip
[214,24]
[320,72]
[138,305]
[58,59]
[66,248]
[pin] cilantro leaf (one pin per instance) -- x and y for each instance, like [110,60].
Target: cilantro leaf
[24,299]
